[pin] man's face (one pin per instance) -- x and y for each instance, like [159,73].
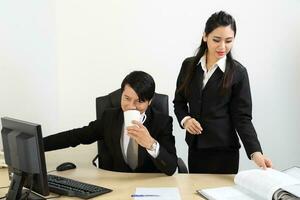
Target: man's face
[130,101]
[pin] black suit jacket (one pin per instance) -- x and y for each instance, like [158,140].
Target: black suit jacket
[109,129]
[221,116]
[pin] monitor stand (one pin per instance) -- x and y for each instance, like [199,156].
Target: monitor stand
[16,190]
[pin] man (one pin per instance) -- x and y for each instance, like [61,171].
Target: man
[156,144]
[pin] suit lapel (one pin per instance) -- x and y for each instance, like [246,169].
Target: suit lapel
[142,151]
[216,76]
[197,82]
[116,138]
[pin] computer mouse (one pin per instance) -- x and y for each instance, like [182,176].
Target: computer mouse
[65,166]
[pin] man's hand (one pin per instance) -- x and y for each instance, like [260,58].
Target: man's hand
[141,134]
[193,126]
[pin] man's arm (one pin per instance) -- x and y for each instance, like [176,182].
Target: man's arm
[166,160]
[85,135]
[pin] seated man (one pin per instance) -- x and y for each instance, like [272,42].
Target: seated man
[156,144]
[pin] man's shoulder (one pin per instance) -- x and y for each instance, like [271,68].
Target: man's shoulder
[160,116]
[111,112]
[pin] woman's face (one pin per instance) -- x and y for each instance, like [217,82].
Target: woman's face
[219,42]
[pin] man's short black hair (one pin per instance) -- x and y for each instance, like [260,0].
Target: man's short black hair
[142,83]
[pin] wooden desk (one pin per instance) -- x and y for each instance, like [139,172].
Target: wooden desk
[124,184]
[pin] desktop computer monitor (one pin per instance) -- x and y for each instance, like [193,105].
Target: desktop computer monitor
[24,154]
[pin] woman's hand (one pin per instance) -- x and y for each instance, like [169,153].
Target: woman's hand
[261,161]
[193,126]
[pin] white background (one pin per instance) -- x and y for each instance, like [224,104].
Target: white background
[57,56]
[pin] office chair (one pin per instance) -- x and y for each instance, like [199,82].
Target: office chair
[160,102]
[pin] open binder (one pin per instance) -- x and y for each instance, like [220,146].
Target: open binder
[258,184]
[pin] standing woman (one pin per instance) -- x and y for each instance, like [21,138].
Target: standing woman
[213,103]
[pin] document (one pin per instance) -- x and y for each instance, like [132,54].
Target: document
[256,184]
[157,193]
[294,189]
[2,161]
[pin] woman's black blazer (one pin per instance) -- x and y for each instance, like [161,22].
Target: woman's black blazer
[222,116]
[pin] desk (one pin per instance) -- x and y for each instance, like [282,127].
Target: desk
[124,184]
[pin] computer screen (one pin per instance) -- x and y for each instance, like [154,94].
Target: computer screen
[24,154]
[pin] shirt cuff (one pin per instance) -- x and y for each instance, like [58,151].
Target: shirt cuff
[154,153]
[184,119]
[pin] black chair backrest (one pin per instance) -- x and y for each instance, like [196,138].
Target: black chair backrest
[160,102]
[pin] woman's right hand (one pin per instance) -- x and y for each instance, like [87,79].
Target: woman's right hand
[193,126]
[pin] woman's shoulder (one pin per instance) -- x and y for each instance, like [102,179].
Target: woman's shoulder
[187,64]
[240,72]
[189,60]
[239,67]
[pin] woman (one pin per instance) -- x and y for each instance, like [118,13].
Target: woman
[213,103]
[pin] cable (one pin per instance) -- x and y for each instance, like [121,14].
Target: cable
[53,197]
[57,196]
[51,171]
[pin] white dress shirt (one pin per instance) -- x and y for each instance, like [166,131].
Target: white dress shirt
[125,140]
[207,74]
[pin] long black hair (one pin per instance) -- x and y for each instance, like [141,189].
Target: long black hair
[216,20]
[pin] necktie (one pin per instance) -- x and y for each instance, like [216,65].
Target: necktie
[132,153]
[132,149]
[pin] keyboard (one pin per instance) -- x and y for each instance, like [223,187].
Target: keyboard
[69,187]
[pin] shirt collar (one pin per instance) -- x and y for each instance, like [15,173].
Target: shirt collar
[143,117]
[221,63]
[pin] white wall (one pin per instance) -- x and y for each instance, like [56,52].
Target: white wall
[28,75]
[93,44]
